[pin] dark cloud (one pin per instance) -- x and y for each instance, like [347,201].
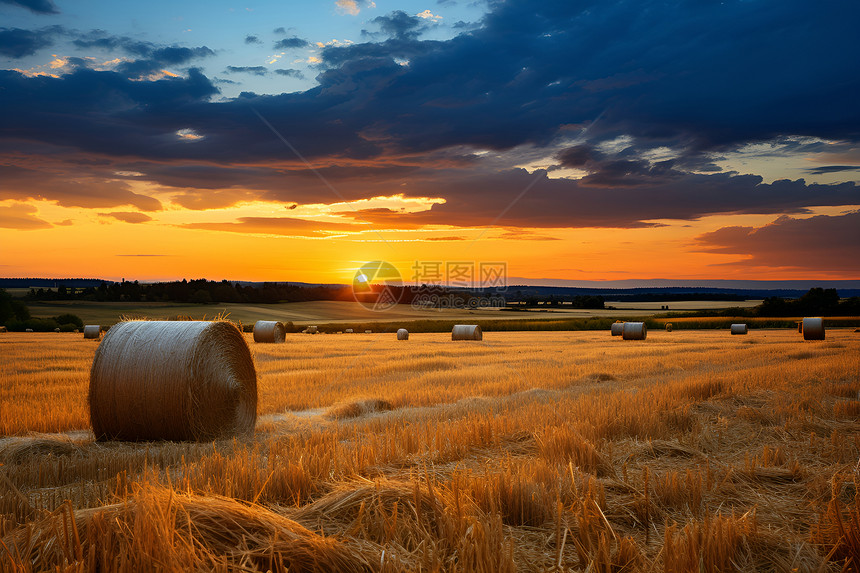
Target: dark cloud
[252,40]
[21,216]
[290,72]
[832,169]
[399,25]
[37,6]
[255,70]
[287,43]
[637,200]
[150,57]
[821,243]
[128,216]
[279,30]
[17,43]
[70,189]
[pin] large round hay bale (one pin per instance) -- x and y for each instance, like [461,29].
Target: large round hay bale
[402,334]
[269,331]
[616,328]
[92,331]
[634,331]
[467,332]
[813,328]
[738,329]
[173,380]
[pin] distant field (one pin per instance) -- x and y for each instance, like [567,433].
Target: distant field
[304,313]
[685,305]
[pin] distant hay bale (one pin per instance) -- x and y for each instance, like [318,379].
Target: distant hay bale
[402,334]
[467,332]
[368,332]
[634,331]
[269,331]
[668,327]
[28,330]
[172,380]
[92,331]
[313,330]
[616,328]
[738,329]
[348,331]
[813,328]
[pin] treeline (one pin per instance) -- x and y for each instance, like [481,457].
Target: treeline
[816,302]
[200,291]
[15,316]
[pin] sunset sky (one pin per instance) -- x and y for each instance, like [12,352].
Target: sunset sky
[576,140]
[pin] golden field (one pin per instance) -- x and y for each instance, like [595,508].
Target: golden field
[529,451]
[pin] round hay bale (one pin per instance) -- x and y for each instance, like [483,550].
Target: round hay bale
[348,331]
[28,330]
[634,331]
[616,328]
[368,332]
[668,327]
[738,329]
[467,332]
[172,380]
[813,328]
[402,334]
[269,331]
[313,330]
[92,331]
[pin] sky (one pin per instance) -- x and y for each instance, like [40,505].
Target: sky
[295,141]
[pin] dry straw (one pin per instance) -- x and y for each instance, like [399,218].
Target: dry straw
[813,328]
[634,331]
[402,334]
[269,331]
[164,380]
[467,332]
[616,328]
[738,329]
[92,331]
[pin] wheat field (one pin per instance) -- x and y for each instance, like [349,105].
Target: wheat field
[529,451]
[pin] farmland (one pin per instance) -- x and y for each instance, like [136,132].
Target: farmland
[533,451]
[303,313]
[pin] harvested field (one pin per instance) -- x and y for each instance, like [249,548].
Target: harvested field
[527,451]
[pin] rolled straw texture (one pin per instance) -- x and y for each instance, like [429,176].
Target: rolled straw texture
[634,331]
[163,380]
[269,331]
[92,331]
[467,332]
